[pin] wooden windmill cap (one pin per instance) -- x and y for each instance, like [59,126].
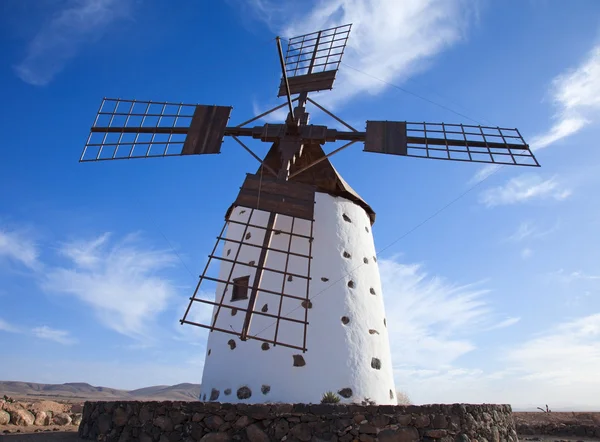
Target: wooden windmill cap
[322,175]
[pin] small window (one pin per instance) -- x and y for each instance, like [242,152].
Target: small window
[240,288]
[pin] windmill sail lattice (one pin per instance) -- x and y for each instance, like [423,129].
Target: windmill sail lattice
[126,129]
[295,230]
[312,60]
[238,251]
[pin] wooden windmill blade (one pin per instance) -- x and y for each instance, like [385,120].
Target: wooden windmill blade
[125,129]
[455,142]
[312,60]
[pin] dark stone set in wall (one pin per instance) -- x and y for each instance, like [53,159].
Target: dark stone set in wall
[220,422]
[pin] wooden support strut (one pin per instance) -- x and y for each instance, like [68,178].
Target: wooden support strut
[258,275]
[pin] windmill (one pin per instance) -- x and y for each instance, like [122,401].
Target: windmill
[295,230]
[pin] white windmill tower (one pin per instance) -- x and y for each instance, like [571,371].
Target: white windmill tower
[298,308]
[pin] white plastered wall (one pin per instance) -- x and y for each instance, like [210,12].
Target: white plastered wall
[339,356]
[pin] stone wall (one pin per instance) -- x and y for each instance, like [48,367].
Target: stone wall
[217,422]
[558,424]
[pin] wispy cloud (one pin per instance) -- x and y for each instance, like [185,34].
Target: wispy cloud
[18,246]
[428,317]
[525,230]
[576,95]
[524,188]
[390,40]
[577,275]
[528,230]
[508,322]
[7,327]
[484,173]
[62,37]
[277,116]
[120,281]
[60,336]
[559,363]
[199,313]
[526,253]
[567,354]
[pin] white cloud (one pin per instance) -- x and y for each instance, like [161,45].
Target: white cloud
[525,230]
[526,253]
[428,317]
[558,366]
[389,40]
[508,322]
[524,188]
[528,230]
[7,327]
[567,355]
[60,336]
[18,246]
[576,275]
[63,36]
[576,94]
[560,130]
[200,313]
[484,173]
[277,116]
[119,281]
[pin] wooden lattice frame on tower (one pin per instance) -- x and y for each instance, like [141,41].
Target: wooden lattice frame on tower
[284,186]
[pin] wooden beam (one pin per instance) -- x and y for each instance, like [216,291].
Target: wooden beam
[258,274]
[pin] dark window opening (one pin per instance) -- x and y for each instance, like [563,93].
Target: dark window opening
[240,288]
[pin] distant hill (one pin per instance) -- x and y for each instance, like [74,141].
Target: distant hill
[81,391]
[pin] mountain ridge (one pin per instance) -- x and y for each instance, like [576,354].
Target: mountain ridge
[85,391]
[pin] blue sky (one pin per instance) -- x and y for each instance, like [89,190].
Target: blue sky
[494,299]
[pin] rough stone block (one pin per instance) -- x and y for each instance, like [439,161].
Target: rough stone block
[301,432]
[436,434]
[256,434]
[408,434]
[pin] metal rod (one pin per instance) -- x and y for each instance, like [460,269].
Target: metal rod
[237,254]
[287,260]
[269,229]
[237,334]
[261,115]
[90,136]
[204,273]
[332,115]
[285,79]
[298,172]
[137,135]
[479,161]
[232,307]
[466,141]
[325,30]
[255,156]
[271,292]
[171,135]
[312,223]
[299,255]
[256,266]
[125,100]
